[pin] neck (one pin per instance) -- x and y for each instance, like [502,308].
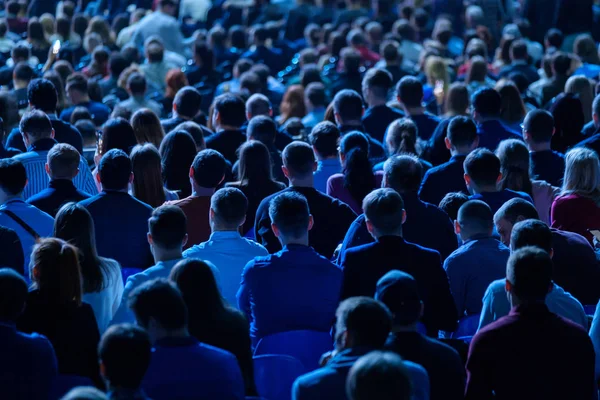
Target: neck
[20,84]
[465,237]
[320,158]
[303,241]
[12,197]
[174,334]
[539,146]
[404,328]
[199,191]
[351,123]
[218,228]
[414,110]
[307,182]
[485,189]
[81,99]
[176,115]
[126,190]
[166,254]
[228,128]
[374,102]
[459,152]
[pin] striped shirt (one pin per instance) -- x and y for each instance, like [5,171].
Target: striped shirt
[34,161]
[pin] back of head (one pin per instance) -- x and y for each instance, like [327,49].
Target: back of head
[168,227]
[229,206]
[161,301]
[483,167]
[125,352]
[585,48]
[378,82]
[63,160]
[23,72]
[254,168]
[80,113]
[117,64]
[316,94]
[561,63]
[518,50]
[187,102]
[366,321]
[258,104]
[289,212]
[195,130]
[147,185]
[400,293]
[384,212]
[348,106]
[457,99]
[596,106]
[115,170]
[13,295]
[136,84]
[351,59]
[196,281]
[539,124]
[36,125]
[117,133]
[403,173]
[531,232]
[452,202]
[410,91]
[402,137]
[13,176]
[514,165]
[359,178]
[250,83]
[177,152]
[487,103]
[209,168]
[77,82]
[231,110]
[299,159]
[146,127]
[263,129]
[21,51]
[554,38]
[324,137]
[478,70]
[582,173]
[84,393]
[379,375]
[529,272]
[462,132]
[475,218]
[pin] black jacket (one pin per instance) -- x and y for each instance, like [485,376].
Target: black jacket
[64,132]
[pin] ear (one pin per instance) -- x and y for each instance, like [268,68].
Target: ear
[447,143]
[248,116]
[131,178]
[52,134]
[467,179]
[475,143]
[403,217]
[217,116]
[508,286]
[35,271]
[499,178]
[47,168]
[174,107]
[362,113]
[275,230]
[192,172]
[554,129]
[457,227]
[98,178]
[75,173]
[551,253]
[311,222]
[315,166]
[286,172]
[369,226]
[149,237]
[422,310]
[336,116]
[271,112]
[211,214]
[185,240]
[102,369]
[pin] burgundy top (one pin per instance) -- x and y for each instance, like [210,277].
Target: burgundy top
[196,210]
[336,189]
[574,213]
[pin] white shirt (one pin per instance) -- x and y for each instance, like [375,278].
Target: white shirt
[105,303]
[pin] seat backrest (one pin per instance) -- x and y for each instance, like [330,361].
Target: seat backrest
[275,374]
[64,383]
[305,346]
[467,326]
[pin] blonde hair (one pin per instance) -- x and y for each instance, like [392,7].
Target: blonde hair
[437,70]
[582,174]
[47,21]
[581,86]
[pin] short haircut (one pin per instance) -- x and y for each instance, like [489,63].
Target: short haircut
[403,173]
[452,202]
[36,125]
[77,81]
[13,295]
[136,83]
[596,105]
[410,91]
[487,102]
[160,300]
[230,206]
[21,51]
[168,226]
[115,169]
[483,167]
[117,64]
[515,208]
[325,137]
[316,94]
[554,37]
[63,160]
[475,217]
[531,232]
[540,125]
[518,50]
[299,159]
[384,208]
[351,59]
[258,104]
[561,63]
[231,109]
[462,132]
[187,101]
[368,321]
[263,129]
[250,82]
[379,82]
[290,212]
[125,352]
[23,72]
[209,168]
[155,52]
[529,270]
[379,375]
[13,176]
[348,105]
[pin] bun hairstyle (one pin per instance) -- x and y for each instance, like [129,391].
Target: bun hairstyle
[358,171]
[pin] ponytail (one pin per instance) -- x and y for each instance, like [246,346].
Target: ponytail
[358,174]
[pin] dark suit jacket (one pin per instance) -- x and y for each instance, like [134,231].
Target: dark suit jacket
[527,70]
[64,132]
[549,165]
[227,143]
[377,119]
[492,132]
[59,192]
[271,57]
[443,179]
[364,265]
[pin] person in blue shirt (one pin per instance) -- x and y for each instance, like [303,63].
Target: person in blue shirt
[375,86]
[462,139]
[486,106]
[479,261]
[167,234]
[295,288]
[119,219]
[124,353]
[362,325]
[270,56]
[181,367]
[409,93]
[315,98]
[519,63]
[482,174]
[324,139]
[77,90]
[546,164]
[29,365]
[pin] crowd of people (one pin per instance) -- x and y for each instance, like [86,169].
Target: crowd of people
[181,181]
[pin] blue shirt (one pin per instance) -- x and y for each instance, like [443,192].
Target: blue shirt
[185,369]
[492,132]
[293,289]
[471,268]
[100,112]
[548,166]
[443,179]
[497,199]
[28,367]
[426,124]
[230,253]
[377,119]
[313,118]
[326,168]
[39,221]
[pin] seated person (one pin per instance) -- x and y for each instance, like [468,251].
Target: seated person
[409,93]
[77,90]
[487,105]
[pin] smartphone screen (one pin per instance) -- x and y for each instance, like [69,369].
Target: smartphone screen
[56,47]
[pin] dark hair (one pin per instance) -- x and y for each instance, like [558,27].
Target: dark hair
[35,33]
[243,64]
[114,170]
[475,217]
[195,130]
[555,38]
[168,226]
[63,160]
[367,321]
[125,352]
[478,70]
[410,91]
[209,168]
[263,129]
[155,52]
[23,72]
[13,295]
[384,208]
[160,300]
[237,38]
[61,97]
[487,102]
[379,375]
[512,109]
[378,81]
[569,120]
[80,113]
[77,81]
[531,232]
[187,102]
[483,167]
[230,206]
[359,179]
[250,82]
[529,270]
[324,137]
[403,173]
[514,166]
[177,152]
[204,53]
[117,64]
[462,132]
[540,125]
[3,27]
[561,63]
[310,74]
[452,202]
[20,52]
[36,125]
[13,176]
[290,212]
[299,159]
[518,50]
[147,175]
[147,127]
[457,99]
[117,133]
[315,94]
[136,83]
[516,208]
[254,167]
[231,109]
[402,137]
[258,104]
[348,105]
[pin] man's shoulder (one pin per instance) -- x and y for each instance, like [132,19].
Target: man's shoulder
[43,195]
[313,380]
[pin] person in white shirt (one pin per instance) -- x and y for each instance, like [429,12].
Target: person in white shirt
[226,248]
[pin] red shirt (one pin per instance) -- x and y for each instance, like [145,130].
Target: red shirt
[574,213]
[196,210]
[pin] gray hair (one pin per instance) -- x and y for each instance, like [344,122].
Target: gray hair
[582,174]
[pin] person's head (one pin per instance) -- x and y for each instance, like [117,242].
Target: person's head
[55,270]
[167,230]
[292,105]
[254,164]
[35,32]
[531,232]
[124,353]
[512,108]
[35,126]
[402,137]
[175,80]
[263,129]
[390,53]
[177,152]
[352,60]
[324,139]
[457,100]
[487,104]
[482,171]
[511,212]
[115,170]
[475,218]
[77,88]
[147,128]
[298,162]
[379,375]
[403,173]
[258,104]
[137,85]
[347,107]
[159,308]
[203,55]
[22,75]
[80,113]
[310,73]
[437,70]
[195,130]
[478,70]
[561,64]
[168,6]
[554,38]
[84,393]
[117,64]
[518,50]
[208,169]
[229,112]
[117,133]
[569,118]
[376,85]
[147,185]
[514,165]
[228,208]
[581,86]
[452,202]
[250,83]
[409,92]
[187,102]
[596,110]
[290,218]
[582,173]
[3,28]
[585,48]
[62,162]
[384,213]
[399,292]
[315,96]
[362,322]
[13,178]
[528,276]
[20,52]
[13,295]
[462,137]
[538,127]
[87,128]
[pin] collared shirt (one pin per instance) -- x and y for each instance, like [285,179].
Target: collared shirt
[34,162]
[230,253]
[325,169]
[496,305]
[294,289]
[471,269]
[59,192]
